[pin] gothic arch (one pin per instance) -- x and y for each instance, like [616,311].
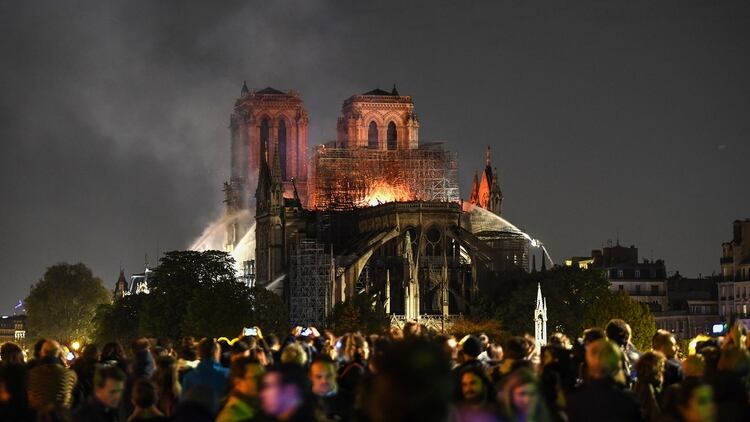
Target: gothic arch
[264,134]
[281,136]
[372,135]
[392,136]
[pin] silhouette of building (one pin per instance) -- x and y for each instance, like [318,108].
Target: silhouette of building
[734,289]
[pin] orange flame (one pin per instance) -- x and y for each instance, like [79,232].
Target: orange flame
[381,192]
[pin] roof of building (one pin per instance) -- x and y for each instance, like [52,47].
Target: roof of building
[378,91]
[269,90]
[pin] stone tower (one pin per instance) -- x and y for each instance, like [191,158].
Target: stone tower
[540,318]
[264,123]
[378,119]
[269,247]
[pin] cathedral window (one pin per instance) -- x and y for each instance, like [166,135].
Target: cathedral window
[372,136]
[282,148]
[264,138]
[392,137]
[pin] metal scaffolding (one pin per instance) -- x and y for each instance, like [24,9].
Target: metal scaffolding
[310,284]
[342,178]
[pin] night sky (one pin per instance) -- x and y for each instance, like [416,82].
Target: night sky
[606,118]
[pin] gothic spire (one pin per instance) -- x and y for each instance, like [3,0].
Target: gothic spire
[394,91]
[488,156]
[244,90]
[539,300]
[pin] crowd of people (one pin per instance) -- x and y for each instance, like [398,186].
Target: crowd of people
[400,375]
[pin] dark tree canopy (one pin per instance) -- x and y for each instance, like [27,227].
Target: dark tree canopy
[363,313]
[192,294]
[63,303]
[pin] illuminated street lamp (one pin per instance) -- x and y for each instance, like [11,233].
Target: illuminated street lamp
[75,345]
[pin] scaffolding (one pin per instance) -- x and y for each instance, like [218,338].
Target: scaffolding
[343,178]
[310,286]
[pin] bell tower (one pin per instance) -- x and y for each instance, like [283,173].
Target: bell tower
[264,123]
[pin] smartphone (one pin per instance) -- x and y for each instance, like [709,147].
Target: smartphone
[306,332]
[252,331]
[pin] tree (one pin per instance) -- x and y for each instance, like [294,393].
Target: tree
[63,303]
[619,305]
[364,312]
[119,321]
[179,278]
[511,298]
[269,312]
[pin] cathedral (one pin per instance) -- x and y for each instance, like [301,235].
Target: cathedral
[376,211]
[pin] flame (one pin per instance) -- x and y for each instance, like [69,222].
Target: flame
[381,192]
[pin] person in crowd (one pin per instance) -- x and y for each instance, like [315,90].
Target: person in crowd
[109,384]
[693,368]
[209,378]
[485,355]
[274,347]
[356,354]
[284,394]
[113,354]
[238,350]
[470,349]
[618,331]
[10,353]
[165,346]
[329,399]
[167,383]
[665,342]
[561,340]
[188,357]
[294,354]
[242,403]
[412,329]
[144,403]
[693,403]
[557,376]
[142,366]
[730,384]
[85,367]
[413,383]
[476,389]
[600,397]
[521,398]
[50,383]
[514,355]
[648,386]
[13,402]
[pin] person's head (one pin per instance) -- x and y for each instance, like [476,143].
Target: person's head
[515,348]
[283,390]
[475,387]
[356,347]
[188,350]
[650,368]
[112,351]
[603,359]
[618,331]
[90,352]
[144,394]
[11,353]
[323,376]
[521,395]
[496,352]
[166,375]
[695,401]
[560,339]
[239,349]
[592,334]
[245,373]
[471,346]
[294,354]
[663,341]
[140,345]
[38,348]
[109,382]
[694,366]
[208,349]
[734,360]
[50,349]
[412,329]
[485,341]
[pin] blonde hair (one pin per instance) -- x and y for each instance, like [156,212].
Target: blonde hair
[294,353]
